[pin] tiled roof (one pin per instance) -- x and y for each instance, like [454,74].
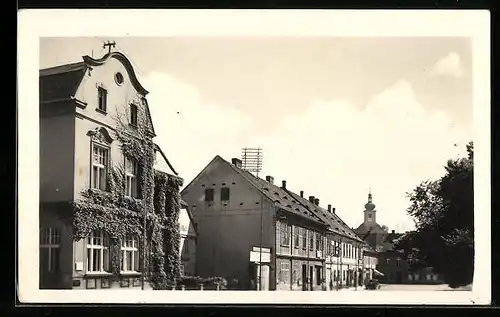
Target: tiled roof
[276,194]
[61,81]
[333,220]
[293,203]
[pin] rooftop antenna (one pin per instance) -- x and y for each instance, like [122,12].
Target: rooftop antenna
[252,159]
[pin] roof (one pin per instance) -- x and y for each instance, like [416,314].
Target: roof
[293,203]
[280,197]
[158,149]
[336,224]
[61,81]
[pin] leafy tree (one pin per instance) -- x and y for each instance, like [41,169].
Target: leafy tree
[443,211]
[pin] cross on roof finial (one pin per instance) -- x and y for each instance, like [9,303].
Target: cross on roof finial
[109,45]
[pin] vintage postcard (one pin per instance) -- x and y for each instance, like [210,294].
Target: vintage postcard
[204,156]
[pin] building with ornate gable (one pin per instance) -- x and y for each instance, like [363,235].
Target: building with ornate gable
[96,187]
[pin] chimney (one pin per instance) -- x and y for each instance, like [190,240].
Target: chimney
[302,194]
[393,231]
[236,162]
[270,179]
[316,201]
[311,199]
[333,210]
[329,208]
[283,184]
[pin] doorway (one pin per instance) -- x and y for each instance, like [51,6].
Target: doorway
[399,277]
[304,277]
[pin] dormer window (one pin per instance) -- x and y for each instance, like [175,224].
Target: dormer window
[133,114]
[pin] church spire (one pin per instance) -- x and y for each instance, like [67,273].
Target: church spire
[370,205]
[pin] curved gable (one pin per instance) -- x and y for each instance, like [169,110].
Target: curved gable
[126,63]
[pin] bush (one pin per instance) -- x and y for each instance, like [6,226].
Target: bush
[190,281]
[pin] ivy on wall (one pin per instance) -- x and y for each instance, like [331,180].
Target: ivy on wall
[118,215]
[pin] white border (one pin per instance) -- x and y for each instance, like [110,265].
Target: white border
[72,23]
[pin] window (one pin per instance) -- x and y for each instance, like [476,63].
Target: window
[97,252]
[285,234]
[99,167]
[133,114]
[387,261]
[296,237]
[410,277]
[369,217]
[417,277]
[428,277]
[49,249]
[131,169]
[224,193]
[119,78]
[343,250]
[102,95]
[304,239]
[311,241]
[130,254]
[285,272]
[398,262]
[318,242]
[209,194]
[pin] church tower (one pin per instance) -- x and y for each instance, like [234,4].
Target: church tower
[370,212]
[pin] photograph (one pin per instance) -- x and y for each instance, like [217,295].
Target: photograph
[325,168]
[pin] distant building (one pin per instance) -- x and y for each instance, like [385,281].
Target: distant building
[370,263]
[391,266]
[243,220]
[370,231]
[188,241]
[399,269]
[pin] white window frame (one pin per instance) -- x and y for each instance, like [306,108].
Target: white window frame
[130,244]
[285,234]
[131,171]
[103,249]
[50,238]
[100,162]
[296,237]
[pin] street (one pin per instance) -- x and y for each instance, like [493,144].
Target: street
[418,287]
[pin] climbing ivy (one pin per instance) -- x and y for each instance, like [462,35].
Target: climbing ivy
[118,215]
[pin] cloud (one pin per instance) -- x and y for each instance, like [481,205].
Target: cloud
[335,151]
[190,131]
[449,65]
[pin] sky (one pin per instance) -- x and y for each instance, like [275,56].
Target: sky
[334,116]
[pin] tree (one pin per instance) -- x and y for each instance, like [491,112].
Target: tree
[443,211]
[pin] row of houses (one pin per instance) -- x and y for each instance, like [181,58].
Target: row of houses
[267,237]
